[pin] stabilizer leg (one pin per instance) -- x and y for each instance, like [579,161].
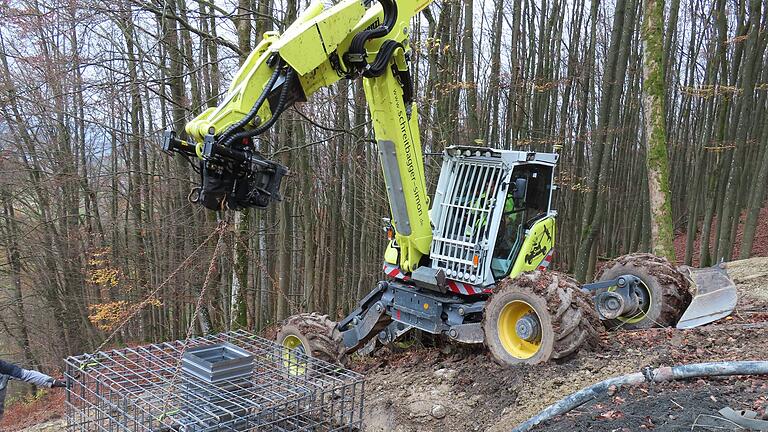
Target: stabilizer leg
[365,322]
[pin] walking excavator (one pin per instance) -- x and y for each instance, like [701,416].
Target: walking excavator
[468,263]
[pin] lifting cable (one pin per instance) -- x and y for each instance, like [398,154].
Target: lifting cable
[220,230]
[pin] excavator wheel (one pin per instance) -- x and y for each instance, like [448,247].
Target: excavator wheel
[664,292]
[537,317]
[310,334]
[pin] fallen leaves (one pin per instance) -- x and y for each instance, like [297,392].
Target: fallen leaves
[611,415]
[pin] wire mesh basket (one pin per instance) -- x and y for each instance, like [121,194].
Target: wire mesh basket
[233,381]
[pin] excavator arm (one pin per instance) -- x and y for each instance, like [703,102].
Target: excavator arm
[350,40]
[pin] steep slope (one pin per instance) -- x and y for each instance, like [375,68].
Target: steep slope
[430,389]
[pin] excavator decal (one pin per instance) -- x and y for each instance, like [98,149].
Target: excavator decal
[539,241]
[549,236]
[537,250]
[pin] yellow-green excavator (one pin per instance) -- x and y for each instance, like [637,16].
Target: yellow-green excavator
[468,263]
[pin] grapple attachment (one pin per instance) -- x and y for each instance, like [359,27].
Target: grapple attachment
[714,296]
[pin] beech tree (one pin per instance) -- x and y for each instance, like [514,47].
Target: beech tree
[95,222]
[655,130]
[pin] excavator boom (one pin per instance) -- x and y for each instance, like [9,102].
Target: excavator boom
[350,40]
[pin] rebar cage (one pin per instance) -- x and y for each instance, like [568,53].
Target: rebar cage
[146,389]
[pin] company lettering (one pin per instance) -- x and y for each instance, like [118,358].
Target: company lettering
[409,160]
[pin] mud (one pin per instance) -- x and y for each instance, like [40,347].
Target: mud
[459,389]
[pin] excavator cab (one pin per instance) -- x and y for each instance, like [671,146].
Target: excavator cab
[492,215]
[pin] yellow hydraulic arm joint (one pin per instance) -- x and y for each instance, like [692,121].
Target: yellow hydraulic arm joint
[351,39]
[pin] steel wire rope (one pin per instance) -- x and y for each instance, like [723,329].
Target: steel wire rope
[221,229]
[152,294]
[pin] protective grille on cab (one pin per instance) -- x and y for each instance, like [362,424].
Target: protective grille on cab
[464,226]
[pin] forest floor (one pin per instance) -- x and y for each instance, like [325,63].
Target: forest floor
[759,245]
[455,388]
[430,389]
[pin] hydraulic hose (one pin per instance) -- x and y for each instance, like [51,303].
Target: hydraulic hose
[385,54]
[356,53]
[256,106]
[390,17]
[661,374]
[279,108]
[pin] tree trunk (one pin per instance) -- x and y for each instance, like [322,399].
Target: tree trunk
[662,238]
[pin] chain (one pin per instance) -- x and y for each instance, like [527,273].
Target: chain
[151,296]
[221,229]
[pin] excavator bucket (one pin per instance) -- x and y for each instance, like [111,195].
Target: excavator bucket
[714,296]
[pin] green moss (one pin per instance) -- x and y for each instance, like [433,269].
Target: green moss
[657,160]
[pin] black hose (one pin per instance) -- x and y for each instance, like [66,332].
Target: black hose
[357,46]
[390,13]
[407,82]
[390,18]
[256,106]
[385,54]
[647,375]
[281,106]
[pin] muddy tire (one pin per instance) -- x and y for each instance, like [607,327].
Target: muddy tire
[312,334]
[564,316]
[667,287]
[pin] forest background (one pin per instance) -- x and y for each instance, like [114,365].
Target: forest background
[94,218]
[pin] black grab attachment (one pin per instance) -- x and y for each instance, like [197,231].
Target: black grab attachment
[231,177]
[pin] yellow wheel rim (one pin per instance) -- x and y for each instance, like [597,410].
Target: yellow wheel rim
[508,318]
[291,361]
[643,308]
[292,342]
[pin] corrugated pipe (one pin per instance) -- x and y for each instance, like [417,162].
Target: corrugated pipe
[648,375]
